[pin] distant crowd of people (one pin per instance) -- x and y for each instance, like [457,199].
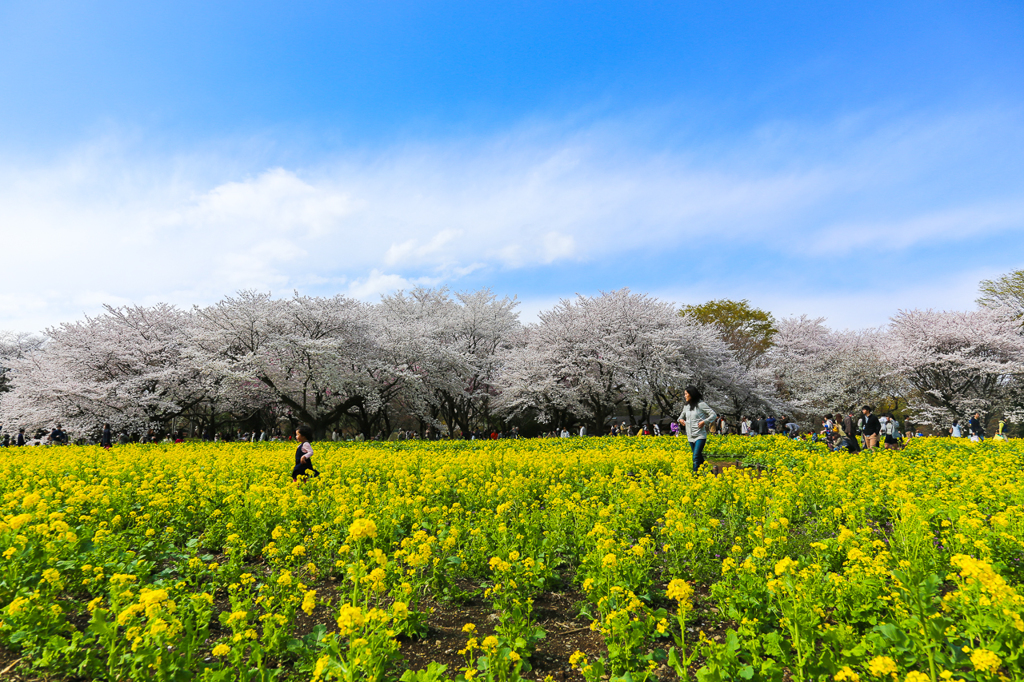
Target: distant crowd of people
[848,431]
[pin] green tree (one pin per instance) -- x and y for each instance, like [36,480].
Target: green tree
[1007,290]
[748,330]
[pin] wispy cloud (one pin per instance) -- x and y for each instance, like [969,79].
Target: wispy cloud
[109,224]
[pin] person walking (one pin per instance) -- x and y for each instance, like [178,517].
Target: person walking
[976,428]
[303,453]
[696,417]
[892,432]
[872,427]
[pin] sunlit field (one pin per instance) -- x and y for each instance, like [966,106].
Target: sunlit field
[582,558]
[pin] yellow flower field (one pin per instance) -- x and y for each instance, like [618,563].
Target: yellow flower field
[204,561]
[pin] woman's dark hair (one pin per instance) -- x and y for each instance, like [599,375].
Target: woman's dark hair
[306,431]
[695,395]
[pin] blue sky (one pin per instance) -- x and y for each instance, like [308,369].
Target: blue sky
[835,159]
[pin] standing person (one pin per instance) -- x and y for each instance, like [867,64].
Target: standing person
[892,432]
[826,428]
[583,430]
[303,453]
[744,427]
[849,426]
[762,426]
[696,417]
[21,437]
[1001,429]
[105,436]
[674,428]
[847,422]
[872,427]
[770,421]
[955,431]
[57,436]
[976,427]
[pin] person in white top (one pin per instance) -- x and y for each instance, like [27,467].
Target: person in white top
[697,416]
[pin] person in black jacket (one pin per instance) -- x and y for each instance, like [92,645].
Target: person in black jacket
[21,437]
[872,427]
[105,438]
[304,454]
[762,426]
[976,427]
[851,432]
[58,437]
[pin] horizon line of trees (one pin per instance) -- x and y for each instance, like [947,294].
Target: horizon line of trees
[461,363]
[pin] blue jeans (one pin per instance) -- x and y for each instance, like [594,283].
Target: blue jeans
[697,447]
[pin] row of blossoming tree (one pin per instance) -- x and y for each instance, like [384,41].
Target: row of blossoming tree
[462,362]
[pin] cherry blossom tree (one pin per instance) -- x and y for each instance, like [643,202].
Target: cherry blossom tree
[127,366]
[13,347]
[818,370]
[958,363]
[311,355]
[458,344]
[589,357]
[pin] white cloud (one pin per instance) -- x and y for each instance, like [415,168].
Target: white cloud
[938,226]
[107,224]
[378,283]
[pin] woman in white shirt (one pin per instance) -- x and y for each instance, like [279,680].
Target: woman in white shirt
[696,417]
